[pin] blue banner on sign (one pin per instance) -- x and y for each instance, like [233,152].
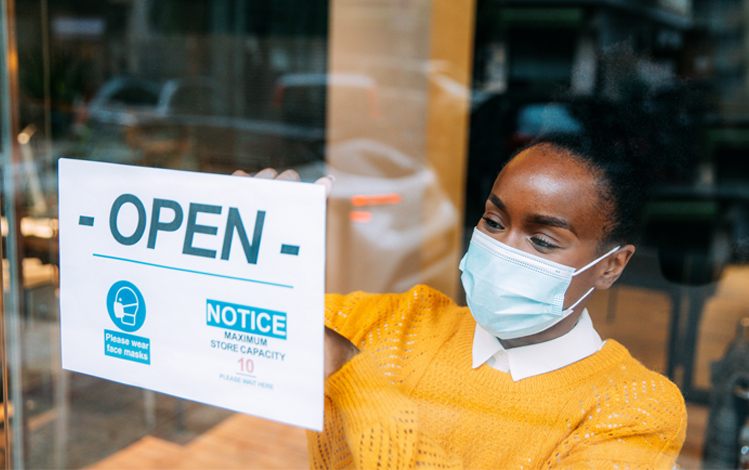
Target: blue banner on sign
[252,320]
[128,347]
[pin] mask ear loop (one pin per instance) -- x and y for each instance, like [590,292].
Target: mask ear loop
[595,261]
[568,310]
[566,313]
[578,301]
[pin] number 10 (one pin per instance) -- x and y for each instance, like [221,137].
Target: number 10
[246,365]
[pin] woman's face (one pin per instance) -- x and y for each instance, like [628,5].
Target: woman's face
[547,203]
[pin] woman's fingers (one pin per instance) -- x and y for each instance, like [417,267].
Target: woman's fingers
[288,175]
[326,181]
[268,174]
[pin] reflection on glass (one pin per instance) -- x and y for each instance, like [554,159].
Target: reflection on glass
[215,87]
[198,85]
[538,69]
[362,90]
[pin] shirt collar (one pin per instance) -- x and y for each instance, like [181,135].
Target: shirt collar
[536,359]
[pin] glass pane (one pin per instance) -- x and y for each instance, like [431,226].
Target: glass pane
[415,128]
[216,86]
[200,85]
[670,73]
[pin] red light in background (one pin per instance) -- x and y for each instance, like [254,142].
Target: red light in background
[360,216]
[376,199]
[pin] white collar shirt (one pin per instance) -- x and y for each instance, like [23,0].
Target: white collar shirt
[536,359]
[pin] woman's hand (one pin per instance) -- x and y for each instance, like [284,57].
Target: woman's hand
[289,175]
[338,351]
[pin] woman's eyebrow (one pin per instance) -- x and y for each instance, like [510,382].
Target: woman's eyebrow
[550,221]
[538,219]
[497,202]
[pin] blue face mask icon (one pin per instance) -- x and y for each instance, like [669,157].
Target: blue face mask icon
[126,305]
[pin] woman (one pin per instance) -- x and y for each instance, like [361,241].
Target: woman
[520,379]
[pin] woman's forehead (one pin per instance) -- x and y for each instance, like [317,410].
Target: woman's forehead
[544,181]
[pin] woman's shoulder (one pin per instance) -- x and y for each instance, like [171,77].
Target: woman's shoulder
[420,291]
[420,308]
[420,297]
[635,383]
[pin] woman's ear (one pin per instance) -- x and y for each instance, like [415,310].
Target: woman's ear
[612,267]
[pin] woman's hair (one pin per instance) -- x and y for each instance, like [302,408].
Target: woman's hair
[632,144]
[625,186]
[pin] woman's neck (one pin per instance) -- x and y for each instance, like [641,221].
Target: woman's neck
[560,329]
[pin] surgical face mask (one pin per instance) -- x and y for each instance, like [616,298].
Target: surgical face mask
[513,294]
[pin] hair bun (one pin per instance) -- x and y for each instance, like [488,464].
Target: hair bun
[638,138]
[655,131]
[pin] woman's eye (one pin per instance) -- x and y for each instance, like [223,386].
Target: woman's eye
[492,223]
[544,244]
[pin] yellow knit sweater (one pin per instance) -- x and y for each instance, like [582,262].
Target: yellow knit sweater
[412,399]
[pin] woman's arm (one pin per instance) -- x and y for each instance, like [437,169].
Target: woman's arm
[338,351]
[369,423]
[369,420]
[364,410]
[646,433]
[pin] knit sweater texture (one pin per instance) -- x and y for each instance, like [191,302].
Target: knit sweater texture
[412,399]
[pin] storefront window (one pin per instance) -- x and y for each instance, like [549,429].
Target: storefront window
[415,107]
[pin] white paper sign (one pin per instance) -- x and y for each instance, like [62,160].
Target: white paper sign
[205,287]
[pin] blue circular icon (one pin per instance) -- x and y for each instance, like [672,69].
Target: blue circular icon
[126,306]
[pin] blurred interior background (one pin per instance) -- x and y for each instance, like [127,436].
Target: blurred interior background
[414,106]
